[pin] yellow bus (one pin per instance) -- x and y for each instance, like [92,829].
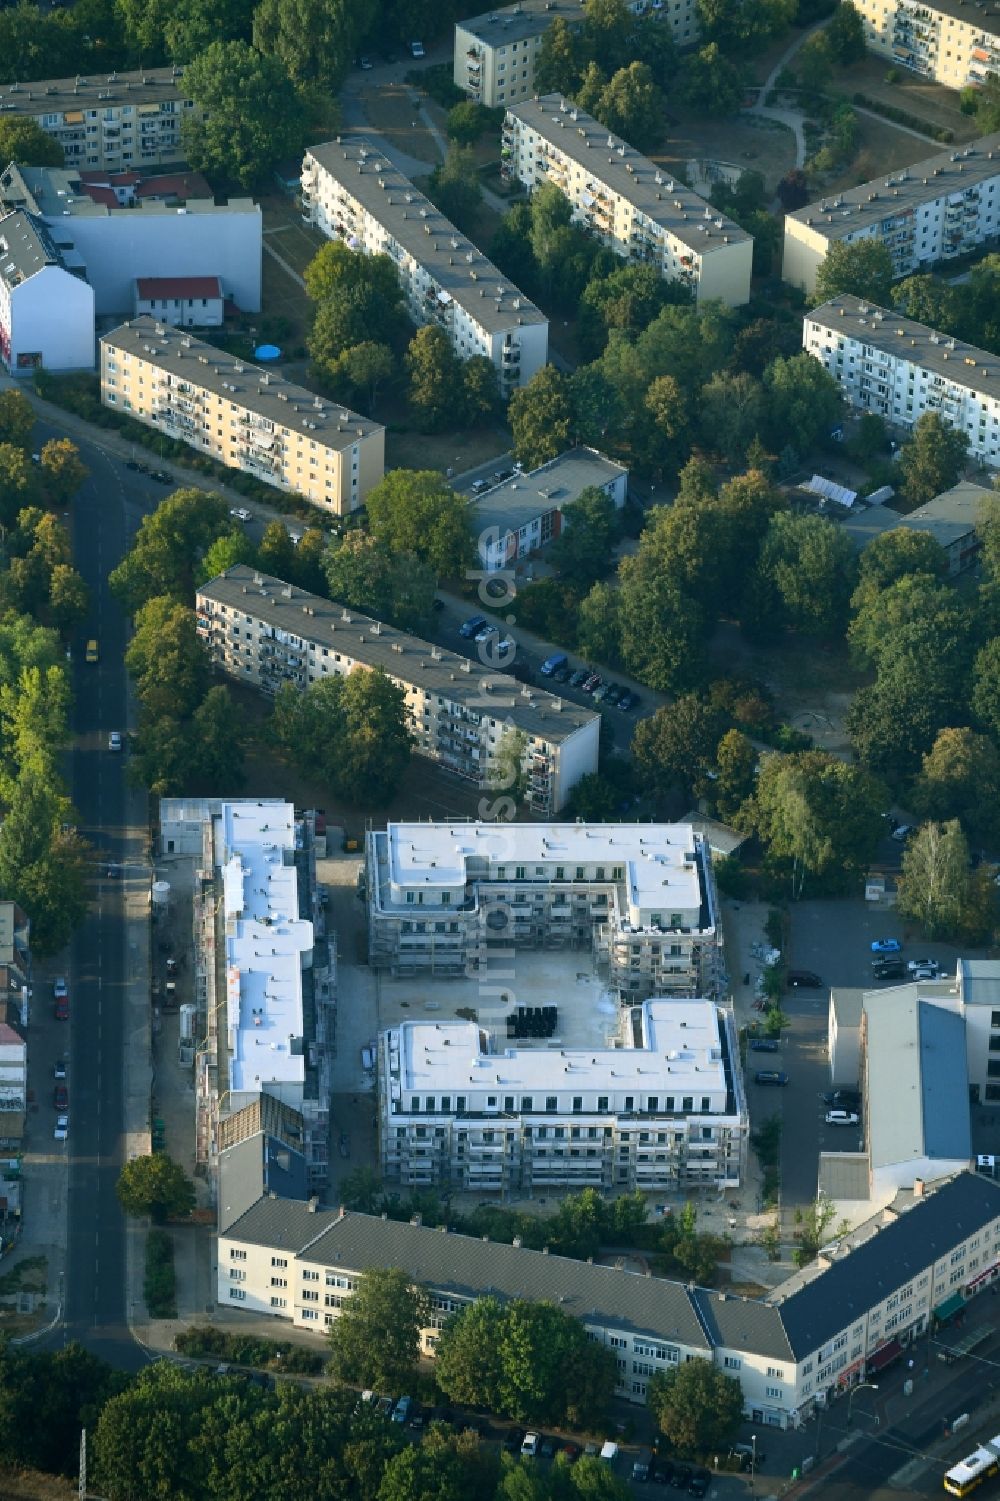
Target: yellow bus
[962,1479]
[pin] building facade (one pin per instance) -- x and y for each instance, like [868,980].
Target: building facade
[352,192]
[46,313]
[933,211]
[181,301]
[632,206]
[640,897]
[265,976]
[495,53]
[662,1107]
[900,369]
[951,42]
[128,120]
[264,632]
[528,511]
[836,1323]
[241,416]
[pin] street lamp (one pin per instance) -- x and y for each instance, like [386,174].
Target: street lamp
[872,1387]
[753,1464]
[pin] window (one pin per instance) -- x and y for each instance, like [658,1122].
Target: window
[279,1281]
[551,1103]
[732,1362]
[279,1302]
[279,1261]
[235,1255]
[238,1294]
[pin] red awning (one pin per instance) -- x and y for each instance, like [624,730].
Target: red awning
[884,1356]
[990,1271]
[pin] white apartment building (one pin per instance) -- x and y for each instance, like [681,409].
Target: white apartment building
[110,245]
[124,121]
[836,1323]
[181,301]
[528,511]
[933,211]
[242,416]
[352,192]
[13,1070]
[889,364]
[495,53]
[263,631]
[640,897]
[660,1106]
[636,209]
[946,40]
[46,313]
[264,980]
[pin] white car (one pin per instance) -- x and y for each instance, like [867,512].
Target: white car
[930,965]
[417,49]
[115,740]
[61,1132]
[842,1118]
[60,989]
[241,513]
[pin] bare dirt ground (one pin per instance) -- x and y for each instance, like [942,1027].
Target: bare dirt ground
[883,148]
[461,450]
[32,1485]
[747,141]
[389,108]
[931,101]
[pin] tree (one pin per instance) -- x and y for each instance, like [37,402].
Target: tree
[557,66]
[166,659]
[69,599]
[416,511]
[711,83]
[986,686]
[696,1405]
[42,865]
[804,401]
[933,459]
[168,547]
[915,608]
[960,778]
[276,553]
[218,739]
[584,547]
[891,556]
[628,298]
[934,880]
[18,483]
[732,412]
[807,570]
[631,105]
[466,122]
[435,372]
[444,1467]
[346,320]
[507,772]
[661,628]
[812,1226]
[468,1365]
[250,114]
[928,300]
[597,625]
[192,25]
[988,104]
[793,190]
[336,271]
[818,814]
[814,63]
[63,471]
[396,587]
[864,269]
[315,41]
[736,771]
[22,140]
[17,415]
[480,390]
[454,187]
[155,1185]
[375,1341]
[367,366]
[846,34]
[226,552]
[675,748]
[352,731]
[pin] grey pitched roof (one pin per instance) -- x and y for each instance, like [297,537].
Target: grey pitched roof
[865,1274]
[53,95]
[470,1268]
[25,248]
[285,1224]
[743,1324]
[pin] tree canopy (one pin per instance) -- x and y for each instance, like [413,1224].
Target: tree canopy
[352,731]
[415,511]
[696,1405]
[157,1186]
[250,113]
[375,1341]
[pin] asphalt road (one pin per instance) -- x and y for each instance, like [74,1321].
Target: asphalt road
[103,518]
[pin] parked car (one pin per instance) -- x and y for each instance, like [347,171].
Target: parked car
[888,969]
[661,1471]
[59,1072]
[931,965]
[903,832]
[640,1470]
[479,485]
[93,651]
[592,682]
[60,1097]
[613,694]
[241,513]
[529,1446]
[468,628]
[804,979]
[842,1118]
[59,987]
[417,49]
[925,973]
[552,664]
[115,740]
[886,946]
[513,1441]
[561,674]
[627,700]
[843,1099]
[548,1447]
[61,1132]
[402,1410]
[572,1453]
[763,1045]
[681,1477]
[161,476]
[579,677]
[770,1076]
[365,64]
[699,1483]
[601,692]
[384,1407]
[485,631]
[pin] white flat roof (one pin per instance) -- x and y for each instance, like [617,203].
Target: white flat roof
[680,1053]
[265,939]
[655,856]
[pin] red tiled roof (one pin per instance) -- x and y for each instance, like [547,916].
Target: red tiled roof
[101,195]
[8,1035]
[179,185]
[111,179]
[152,288]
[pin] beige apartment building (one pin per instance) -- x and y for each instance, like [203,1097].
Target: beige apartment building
[933,211]
[636,209]
[264,632]
[124,122]
[242,416]
[954,42]
[495,53]
[352,192]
